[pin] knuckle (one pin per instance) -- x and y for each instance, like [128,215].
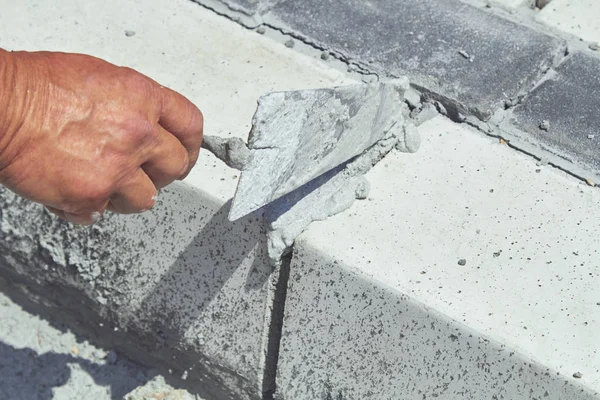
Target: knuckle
[139,87]
[178,167]
[95,191]
[137,129]
[195,119]
[184,162]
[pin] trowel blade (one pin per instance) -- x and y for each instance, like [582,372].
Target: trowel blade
[297,136]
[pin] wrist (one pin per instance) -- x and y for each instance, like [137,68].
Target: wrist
[16,96]
[7,87]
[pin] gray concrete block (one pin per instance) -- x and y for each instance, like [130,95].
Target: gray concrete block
[467,57]
[179,287]
[347,337]
[569,101]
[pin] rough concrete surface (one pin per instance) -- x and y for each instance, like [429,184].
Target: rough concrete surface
[562,112]
[297,136]
[186,289]
[378,305]
[348,337]
[42,360]
[472,59]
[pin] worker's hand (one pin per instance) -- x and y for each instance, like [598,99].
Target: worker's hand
[82,135]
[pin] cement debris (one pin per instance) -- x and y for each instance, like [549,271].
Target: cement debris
[232,151]
[158,389]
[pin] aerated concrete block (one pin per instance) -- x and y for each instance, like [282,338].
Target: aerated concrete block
[471,274]
[348,337]
[180,286]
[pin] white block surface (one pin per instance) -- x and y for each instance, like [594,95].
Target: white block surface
[529,235]
[578,17]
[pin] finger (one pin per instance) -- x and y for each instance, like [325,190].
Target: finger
[184,120]
[168,160]
[80,218]
[137,194]
[57,212]
[84,218]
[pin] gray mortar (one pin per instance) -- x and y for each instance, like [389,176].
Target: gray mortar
[334,190]
[297,136]
[232,151]
[323,197]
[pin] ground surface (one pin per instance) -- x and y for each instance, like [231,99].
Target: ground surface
[43,360]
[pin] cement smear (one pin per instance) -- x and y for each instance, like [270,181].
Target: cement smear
[287,147]
[232,151]
[327,195]
[297,136]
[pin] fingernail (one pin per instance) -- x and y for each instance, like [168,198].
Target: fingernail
[96,216]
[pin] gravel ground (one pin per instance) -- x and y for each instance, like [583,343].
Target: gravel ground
[41,362]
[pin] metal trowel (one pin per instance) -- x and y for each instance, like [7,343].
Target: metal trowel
[297,136]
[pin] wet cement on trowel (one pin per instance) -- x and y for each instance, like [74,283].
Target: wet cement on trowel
[299,135]
[336,189]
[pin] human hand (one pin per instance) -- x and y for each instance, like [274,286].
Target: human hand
[81,135]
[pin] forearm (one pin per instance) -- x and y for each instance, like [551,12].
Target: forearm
[10,104]
[7,87]
[17,91]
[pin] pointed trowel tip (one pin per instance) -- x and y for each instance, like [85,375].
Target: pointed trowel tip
[235,213]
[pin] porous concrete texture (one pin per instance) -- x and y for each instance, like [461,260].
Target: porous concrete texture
[563,111]
[378,305]
[185,288]
[578,17]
